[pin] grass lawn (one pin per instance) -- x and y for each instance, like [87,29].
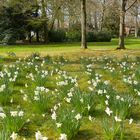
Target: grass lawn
[133,46]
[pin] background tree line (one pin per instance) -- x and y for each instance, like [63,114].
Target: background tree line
[60,20]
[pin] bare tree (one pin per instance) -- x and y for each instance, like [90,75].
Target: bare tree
[123,10]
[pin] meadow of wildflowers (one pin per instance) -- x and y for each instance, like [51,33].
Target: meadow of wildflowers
[55,98]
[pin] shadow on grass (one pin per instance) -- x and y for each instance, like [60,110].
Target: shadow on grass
[87,135]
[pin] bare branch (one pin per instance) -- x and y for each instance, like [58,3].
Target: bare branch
[131,5]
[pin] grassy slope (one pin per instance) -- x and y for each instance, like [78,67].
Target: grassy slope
[55,49]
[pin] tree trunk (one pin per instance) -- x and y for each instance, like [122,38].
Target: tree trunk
[122,25]
[45,32]
[136,27]
[95,21]
[44,16]
[29,37]
[37,36]
[58,24]
[83,24]
[103,14]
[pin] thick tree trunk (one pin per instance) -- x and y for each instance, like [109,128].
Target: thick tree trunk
[122,25]
[122,29]
[83,24]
